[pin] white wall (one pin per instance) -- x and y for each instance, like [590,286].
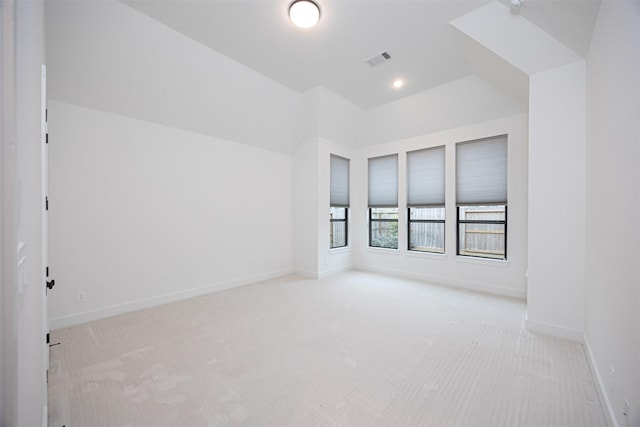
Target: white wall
[501,277]
[312,256]
[338,259]
[143,214]
[556,272]
[339,121]
[452,105]
[333,125]
[22,333]
[305,208]
[8,220]
[613,201]
[339,128]
[305,120]
[32,393]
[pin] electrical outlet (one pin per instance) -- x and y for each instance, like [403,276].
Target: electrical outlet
[612,378]
[81,296]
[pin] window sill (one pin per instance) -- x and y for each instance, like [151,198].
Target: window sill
[383,250]
[432,255]
[483,261]
[341,250]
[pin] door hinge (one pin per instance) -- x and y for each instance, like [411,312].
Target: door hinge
[46,203]
[46,140]
[47,272]
[51,345]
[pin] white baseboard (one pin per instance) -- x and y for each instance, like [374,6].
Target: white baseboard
[445,281]
[554,330]
[600,385]
[305,273]
[101,313]
[333,271]
[320,274]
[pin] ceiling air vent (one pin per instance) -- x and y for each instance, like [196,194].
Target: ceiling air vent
[378,59]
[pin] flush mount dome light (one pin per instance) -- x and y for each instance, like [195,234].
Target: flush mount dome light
[304,13]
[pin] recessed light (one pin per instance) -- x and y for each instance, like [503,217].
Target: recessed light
[304,13]
[398,83]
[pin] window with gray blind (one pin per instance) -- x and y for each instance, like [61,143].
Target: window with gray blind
[383,181]
[338,202]
[425,199]
[481,171]
[383,202]
[481,197]
[339,181]
[425,177]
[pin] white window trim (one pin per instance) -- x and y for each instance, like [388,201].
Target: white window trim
[466,259]
[342,249]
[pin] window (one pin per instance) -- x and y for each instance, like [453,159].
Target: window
[482,231]
[383,202]
[425,200]
[426,229]
[481,196]
[338,231]
[383,228]
[339,202]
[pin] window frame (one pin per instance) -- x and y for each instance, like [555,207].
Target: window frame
[482,175]
[426,221]
[371,221]
[426,188]
[341,172]
[346,226]
[383,171]
[483,222]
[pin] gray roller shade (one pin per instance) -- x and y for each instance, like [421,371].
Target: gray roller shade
[339,181]
[425,177]
[481,171]
[383,181]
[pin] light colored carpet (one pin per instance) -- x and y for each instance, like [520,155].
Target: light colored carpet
[357,349]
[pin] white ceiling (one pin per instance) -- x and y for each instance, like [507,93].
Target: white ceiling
[425,49]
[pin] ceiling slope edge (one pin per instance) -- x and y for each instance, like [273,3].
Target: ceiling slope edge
[514,39]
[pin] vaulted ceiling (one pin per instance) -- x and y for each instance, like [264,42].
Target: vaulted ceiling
[426,50]
[239,69]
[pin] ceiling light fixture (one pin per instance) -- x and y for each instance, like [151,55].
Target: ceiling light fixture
[398,83]
[304,13]
[516,4]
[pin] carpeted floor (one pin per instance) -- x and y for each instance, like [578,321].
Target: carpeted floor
[357,349]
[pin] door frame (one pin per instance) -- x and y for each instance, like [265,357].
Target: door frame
[45,217]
